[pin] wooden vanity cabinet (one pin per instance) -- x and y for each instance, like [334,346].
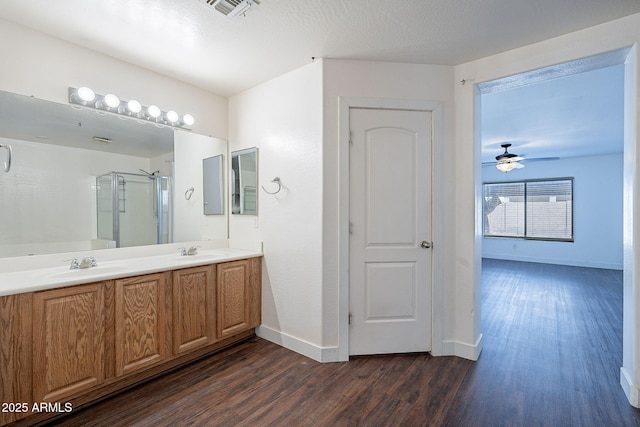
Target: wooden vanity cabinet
[68,341]
[74,344]
[193,308]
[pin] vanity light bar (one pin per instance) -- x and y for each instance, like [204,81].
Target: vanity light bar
[110,103]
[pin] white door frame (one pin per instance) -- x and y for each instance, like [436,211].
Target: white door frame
[437,290]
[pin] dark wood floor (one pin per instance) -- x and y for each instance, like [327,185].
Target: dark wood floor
[552,354]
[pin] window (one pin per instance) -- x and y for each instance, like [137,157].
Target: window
[531,209]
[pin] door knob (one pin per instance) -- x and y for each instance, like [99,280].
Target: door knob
[425,244]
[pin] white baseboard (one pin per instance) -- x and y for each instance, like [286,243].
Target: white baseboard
[462,349]
[312,351]
[558,261]
[631,390]
[331,354]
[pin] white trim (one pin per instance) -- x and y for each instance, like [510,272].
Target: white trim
[558,261]
[312,351]
[437,290]
[631,390]
[463,349]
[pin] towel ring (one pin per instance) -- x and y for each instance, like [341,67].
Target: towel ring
[7,165]
[189,193]
[275,180]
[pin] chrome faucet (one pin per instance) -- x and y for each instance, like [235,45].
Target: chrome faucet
[193,250]
[87,262]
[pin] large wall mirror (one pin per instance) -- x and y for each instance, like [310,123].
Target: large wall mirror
[80,180]
[244,182]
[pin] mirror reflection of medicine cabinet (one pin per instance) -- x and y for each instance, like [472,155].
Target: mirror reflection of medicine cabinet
[244,182]
[213,185]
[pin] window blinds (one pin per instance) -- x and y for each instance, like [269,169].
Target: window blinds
[536,209]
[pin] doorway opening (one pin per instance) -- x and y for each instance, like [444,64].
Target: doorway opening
[571,150]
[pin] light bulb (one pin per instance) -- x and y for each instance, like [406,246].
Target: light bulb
[154,111]
[134,106]
[111,100]
[188,119]
[172,116]
[86,94]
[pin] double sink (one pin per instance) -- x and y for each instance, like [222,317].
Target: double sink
[49,277]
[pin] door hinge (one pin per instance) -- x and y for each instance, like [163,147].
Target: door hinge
[350,137]
[350,317]
[350,228]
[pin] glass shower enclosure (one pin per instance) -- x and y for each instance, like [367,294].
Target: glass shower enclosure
[133,209]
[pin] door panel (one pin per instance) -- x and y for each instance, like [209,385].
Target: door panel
[390,303]
[69,346]
[139,322]
[390,193]
[193,308]
[390,208]
[233,285]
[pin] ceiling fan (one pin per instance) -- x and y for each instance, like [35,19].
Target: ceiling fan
[506,161]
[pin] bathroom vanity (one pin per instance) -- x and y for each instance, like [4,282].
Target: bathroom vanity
[68,337]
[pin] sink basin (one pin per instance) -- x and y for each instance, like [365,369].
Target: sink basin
[83,272]
[198,256]
[207,254]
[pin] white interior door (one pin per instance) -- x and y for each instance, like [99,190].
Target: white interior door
[390,231]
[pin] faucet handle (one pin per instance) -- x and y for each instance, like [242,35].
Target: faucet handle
[193,250]
[75,264]
[183,251]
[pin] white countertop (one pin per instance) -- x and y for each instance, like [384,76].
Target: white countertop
[29,274]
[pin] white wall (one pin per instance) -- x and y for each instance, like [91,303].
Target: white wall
[610,36]
[45,180]
[283,118]
[293,120]
[597,214]
[45,67]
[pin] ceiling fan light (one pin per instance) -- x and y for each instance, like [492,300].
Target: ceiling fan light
[505,166]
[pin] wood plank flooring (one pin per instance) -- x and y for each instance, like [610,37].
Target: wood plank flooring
[552,354]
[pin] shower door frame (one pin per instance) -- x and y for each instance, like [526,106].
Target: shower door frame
[116,205]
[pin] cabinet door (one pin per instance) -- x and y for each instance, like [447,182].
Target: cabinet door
[68,341]
[193,308]
[16,346]
[238,296]
[139,322]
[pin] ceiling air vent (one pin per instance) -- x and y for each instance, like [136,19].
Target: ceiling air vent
[232,9]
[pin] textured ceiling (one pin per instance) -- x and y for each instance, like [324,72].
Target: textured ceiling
[577,115]
[188,40]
